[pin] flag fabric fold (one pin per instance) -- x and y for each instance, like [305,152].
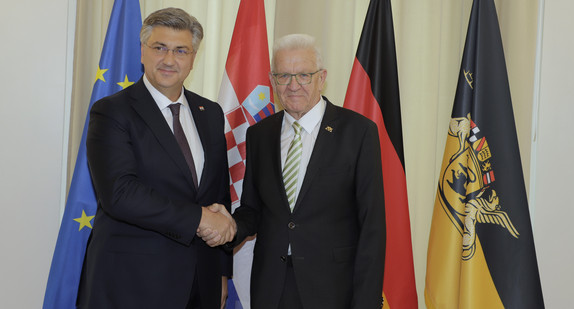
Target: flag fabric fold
[481,250]
[246,97]
[119,67]
[373,91]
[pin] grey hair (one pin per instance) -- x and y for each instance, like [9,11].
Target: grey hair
[294,42]
[173,18]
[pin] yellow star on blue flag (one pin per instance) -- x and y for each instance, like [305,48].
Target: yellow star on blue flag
[84,220]
[126,83]
[100,75]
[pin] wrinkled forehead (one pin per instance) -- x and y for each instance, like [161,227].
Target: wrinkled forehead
[295,61]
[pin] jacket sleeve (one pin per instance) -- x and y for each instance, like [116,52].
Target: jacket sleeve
[225,199]
[370,256]
[247,216]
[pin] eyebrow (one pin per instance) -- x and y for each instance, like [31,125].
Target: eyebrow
[163,44]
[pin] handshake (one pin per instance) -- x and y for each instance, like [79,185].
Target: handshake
[217,226]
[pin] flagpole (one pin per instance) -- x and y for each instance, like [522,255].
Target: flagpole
[536,112]
[69,83]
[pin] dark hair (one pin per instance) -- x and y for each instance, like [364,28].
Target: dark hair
[173,18]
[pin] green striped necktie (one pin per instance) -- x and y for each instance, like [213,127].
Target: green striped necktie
[291,168]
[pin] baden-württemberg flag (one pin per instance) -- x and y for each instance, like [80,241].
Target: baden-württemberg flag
[119,67]
[481,249]
[245,97]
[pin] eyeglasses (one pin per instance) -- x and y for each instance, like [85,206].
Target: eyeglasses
[161,50]
[301,78]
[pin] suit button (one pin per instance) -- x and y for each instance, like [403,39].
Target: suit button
[291,225]
[283,258]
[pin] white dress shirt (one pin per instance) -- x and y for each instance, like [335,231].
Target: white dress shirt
[310,123]
[187,124]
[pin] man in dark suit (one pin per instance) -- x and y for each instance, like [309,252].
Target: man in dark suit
[313,194]
[157,155]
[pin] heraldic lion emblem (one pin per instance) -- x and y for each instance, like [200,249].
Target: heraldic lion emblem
[466,185]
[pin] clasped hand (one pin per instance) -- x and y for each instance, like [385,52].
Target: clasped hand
[216,226]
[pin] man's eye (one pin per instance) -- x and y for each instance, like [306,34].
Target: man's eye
[304,76]
[160,48]
[284,76]
[181,51]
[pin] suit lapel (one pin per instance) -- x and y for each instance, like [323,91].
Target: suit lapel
[144,104]
[325,138]
[274,142]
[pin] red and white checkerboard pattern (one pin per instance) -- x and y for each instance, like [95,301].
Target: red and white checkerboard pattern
[235,129]
[246,69]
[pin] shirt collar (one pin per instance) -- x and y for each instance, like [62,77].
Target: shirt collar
[160,99]
[310,120]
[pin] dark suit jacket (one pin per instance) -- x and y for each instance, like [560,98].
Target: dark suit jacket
[143,252]
[337,228]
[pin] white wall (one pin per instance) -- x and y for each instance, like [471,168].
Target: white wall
[554,167]
[33,62]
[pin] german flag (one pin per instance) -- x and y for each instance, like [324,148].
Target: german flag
[374,92]
[481,249]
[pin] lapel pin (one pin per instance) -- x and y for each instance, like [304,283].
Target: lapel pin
[201,108]
[329,129]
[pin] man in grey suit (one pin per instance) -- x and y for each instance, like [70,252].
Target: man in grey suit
[313,194]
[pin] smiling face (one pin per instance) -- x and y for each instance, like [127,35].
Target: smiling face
[167,72]
[298,99]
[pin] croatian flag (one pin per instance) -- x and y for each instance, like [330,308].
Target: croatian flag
[246,97]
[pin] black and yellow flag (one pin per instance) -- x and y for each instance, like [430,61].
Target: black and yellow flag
[481,249]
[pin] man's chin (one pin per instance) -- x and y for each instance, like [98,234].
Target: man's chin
[168,82]
[295,104]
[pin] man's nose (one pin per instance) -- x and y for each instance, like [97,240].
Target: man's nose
[169,57]
[293,84]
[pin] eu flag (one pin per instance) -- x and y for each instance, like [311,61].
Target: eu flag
[119,67]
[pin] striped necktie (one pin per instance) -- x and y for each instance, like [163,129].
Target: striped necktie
[291,168]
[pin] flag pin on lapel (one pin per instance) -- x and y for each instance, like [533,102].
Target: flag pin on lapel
[329,129]
[201,108]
